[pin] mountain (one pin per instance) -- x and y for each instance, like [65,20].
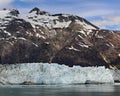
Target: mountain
[39,36]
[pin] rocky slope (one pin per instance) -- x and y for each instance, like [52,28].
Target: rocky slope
[39,36]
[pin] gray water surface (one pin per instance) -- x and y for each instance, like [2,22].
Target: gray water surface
[61,90]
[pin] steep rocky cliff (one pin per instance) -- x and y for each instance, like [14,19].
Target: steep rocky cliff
[39,36]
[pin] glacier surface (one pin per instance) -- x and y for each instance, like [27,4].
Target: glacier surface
[44,73]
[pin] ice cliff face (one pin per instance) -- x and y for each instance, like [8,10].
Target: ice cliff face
[39,36]
[44,73]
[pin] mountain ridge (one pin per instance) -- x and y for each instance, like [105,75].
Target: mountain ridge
[39,36]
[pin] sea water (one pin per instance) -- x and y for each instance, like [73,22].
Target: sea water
[61,90]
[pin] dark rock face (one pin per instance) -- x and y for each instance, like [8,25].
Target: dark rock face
[38,11]
[87,57]
[18,24]
[14,12]
[58,38]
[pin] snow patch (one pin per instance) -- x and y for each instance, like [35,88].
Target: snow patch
[72,48]
[83,45]
[41,20]
[29,33]
[4,13]
[83,32]
[40,36]
[84,24]
[88,32]
[65,15]
[119,54]
[9,34]
[35,44]
[80,36]
[44,20]
[111,44]
[101,37]
[21,38]
[61,24]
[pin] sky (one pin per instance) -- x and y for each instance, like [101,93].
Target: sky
[103,13]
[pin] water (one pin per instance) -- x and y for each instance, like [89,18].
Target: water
[61,90]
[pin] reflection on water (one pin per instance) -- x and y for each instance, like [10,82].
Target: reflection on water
[61,90]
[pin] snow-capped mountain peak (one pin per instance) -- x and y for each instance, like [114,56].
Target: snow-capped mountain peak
[38,36]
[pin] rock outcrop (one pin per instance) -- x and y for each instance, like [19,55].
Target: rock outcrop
[39,36]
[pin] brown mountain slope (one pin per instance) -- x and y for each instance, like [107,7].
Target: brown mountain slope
[60,38]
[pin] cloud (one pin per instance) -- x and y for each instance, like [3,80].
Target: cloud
[101,11]
[84,8]
[49,0]
[5,3]
[31,0]
[96,12]
[108,21]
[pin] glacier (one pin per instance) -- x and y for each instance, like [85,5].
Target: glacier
[44,73]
